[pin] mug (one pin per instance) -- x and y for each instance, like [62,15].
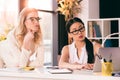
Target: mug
[107,68]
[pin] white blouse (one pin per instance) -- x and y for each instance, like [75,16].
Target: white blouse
[11,55]
[73,55]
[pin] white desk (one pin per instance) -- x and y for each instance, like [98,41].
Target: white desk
[43,74]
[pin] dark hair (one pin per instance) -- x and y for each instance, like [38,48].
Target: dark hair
[89,45]
[90,52]
[72,21]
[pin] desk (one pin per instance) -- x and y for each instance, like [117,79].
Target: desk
[43,74]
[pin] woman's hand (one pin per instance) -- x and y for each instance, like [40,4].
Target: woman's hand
[78,66]
[28,40]
[88,66]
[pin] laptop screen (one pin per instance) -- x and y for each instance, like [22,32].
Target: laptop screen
[107,53]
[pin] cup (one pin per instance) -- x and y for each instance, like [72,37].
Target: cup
[107,68]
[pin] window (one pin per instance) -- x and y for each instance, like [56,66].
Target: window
[8,15]
[49,28]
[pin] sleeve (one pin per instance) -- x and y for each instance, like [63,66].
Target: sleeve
[14,55]
[39,61]
[1,55]
[1,63]
[24,57]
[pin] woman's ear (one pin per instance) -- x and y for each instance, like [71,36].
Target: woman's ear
[69,35]
[70,39]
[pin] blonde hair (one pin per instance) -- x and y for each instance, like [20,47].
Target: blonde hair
[21,30]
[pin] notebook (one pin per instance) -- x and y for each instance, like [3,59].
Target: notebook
[60,71]
[107,53]
[57,70]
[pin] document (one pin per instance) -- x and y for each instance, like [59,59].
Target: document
[60,71]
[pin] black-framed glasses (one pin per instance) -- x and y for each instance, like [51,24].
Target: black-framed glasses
[75,32]
[32,19]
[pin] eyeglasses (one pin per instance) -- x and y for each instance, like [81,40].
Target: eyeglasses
[32,19]
[75,32]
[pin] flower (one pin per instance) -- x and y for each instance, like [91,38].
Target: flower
[2,37]
[4,31]
[69,8]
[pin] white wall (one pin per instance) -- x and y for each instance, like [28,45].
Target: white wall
[89,10]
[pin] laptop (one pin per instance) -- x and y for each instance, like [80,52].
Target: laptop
[107,53]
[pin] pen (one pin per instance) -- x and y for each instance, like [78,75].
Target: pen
[104,60]
[110,58]
[100,57]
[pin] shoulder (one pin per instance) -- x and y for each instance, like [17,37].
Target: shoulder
[11,39]
[69,46]
[65,48]
[11,36]
[64,53]
[11,33]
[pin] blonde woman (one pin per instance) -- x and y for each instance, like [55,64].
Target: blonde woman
[23,46]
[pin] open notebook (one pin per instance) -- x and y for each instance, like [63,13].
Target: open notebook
[57,70]
[60,71]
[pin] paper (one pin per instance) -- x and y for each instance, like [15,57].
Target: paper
[60,71]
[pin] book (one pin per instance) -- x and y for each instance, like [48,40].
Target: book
[90,29]
[97,30]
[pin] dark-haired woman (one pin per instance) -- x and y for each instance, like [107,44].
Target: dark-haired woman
[80,53]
